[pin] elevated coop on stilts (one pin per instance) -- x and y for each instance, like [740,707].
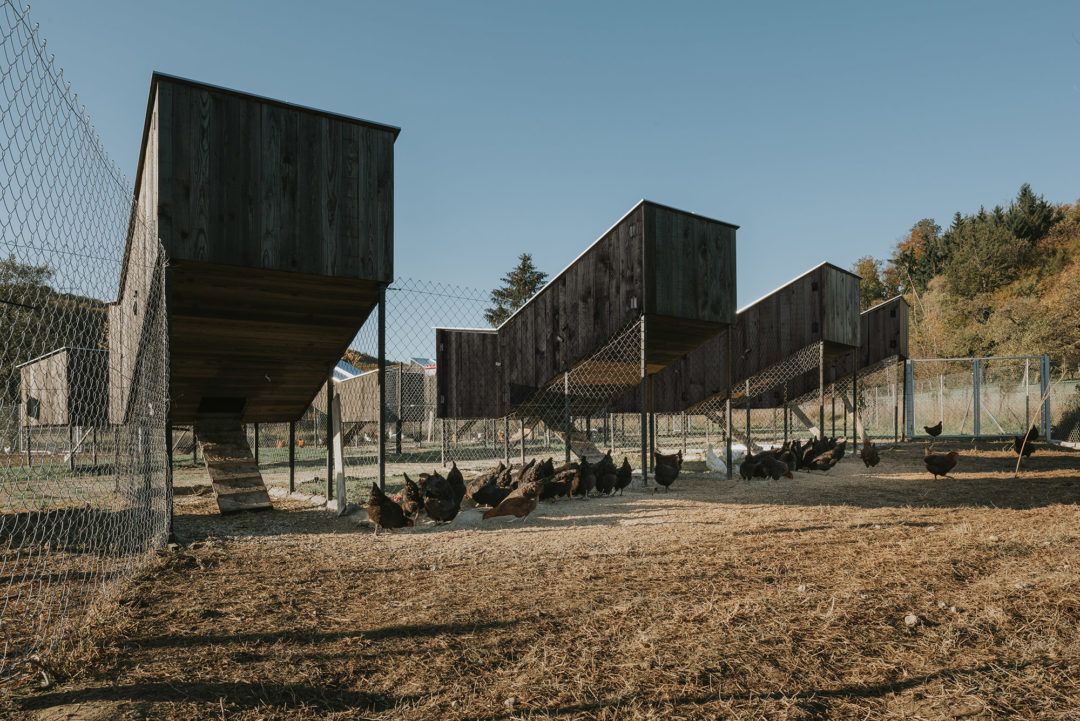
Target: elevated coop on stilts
[741,378]
[864,391]
[655,286]
[276,222]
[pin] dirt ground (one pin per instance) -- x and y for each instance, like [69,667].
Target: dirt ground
[846,595]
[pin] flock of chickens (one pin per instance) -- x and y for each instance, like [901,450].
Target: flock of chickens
[940,464]
[507,491]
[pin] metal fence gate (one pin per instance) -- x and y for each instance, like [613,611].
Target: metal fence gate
[979,397]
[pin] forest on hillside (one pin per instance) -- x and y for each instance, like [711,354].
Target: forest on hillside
[1004,281]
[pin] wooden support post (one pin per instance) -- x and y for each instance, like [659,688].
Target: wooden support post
[329,445]
[568,418]
[381,350]
[71,448]
[644,411]
[29,455]
[787,421]
[588,428]
[747,400]
[338,445]
[256,444]
[727,405]
[442,442]
[854,403]
[521,424]
[821,390]
[194,446]
[292,456]
[168,473]
[93,444]
[684,432]
[832,412]
[506,439]
[398,424]
[609,432]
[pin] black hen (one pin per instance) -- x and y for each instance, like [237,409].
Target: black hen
[933,431]
[383,512]
[606,475]
[441,501]
[666,468]
[1025,445]
[623,476]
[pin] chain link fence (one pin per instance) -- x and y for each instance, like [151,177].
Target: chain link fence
[752,425]
[976,397]
[568,416]
[84,492]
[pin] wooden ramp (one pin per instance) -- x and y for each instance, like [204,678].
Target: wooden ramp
[232,469]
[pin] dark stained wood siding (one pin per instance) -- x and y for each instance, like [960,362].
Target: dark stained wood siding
[278,224]
[690,266]
[468,374]
[816,306]
[676,268]
[883,335]
[260,185]
[575,313]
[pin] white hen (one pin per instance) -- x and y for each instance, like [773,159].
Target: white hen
[713,461]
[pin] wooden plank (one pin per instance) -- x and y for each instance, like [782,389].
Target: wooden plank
[339,457]
[233,472]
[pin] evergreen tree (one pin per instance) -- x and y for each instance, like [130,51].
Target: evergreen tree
[1030,217]
[517,287]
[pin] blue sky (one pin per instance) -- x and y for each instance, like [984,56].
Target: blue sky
[825,130]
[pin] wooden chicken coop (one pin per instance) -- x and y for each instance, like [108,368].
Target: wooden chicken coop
[883,337]
[672,268]
[64,388]
[818,309]
[277,223]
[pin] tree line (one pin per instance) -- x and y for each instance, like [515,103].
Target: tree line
[1004,281]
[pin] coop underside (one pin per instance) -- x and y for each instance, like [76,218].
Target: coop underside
[264,339]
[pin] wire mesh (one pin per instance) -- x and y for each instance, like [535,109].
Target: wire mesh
[416,439]
[753,427]
[876,411]
[1065,410]
[84,490]
[998,396]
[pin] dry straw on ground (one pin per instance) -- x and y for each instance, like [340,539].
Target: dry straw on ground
[849,595]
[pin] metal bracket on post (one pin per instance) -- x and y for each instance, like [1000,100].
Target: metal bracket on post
[976,397]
